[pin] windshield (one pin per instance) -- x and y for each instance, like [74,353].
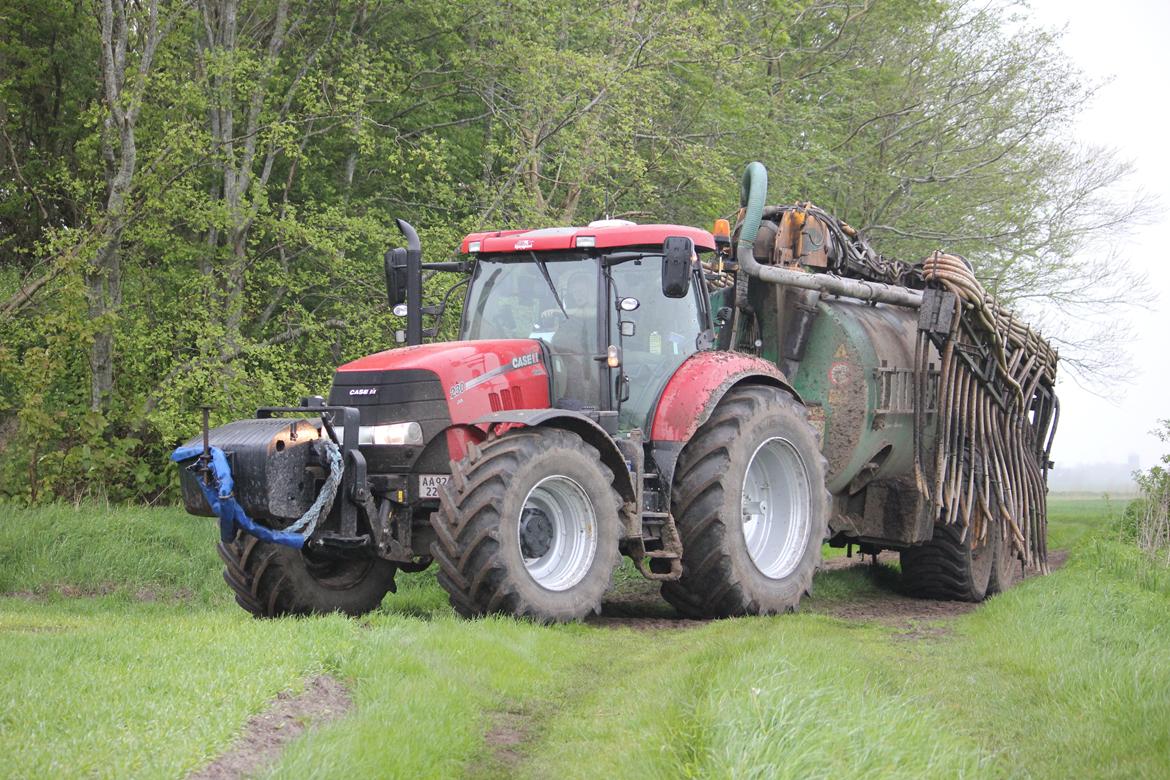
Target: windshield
[511,298]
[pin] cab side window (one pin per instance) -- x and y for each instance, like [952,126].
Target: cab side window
[666,334]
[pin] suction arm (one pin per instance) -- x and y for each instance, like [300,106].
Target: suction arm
[753,191]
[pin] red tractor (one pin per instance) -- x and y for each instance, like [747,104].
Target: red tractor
[643,390]
[591,408]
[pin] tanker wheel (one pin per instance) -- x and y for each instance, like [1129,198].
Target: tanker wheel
[1007,568]
[751,507]
[528,526]
[271,580]
[950,567]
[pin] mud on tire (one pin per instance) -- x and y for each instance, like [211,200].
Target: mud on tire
[491,508]
[271,580]
[724,574]
[950,567]
[1007,569]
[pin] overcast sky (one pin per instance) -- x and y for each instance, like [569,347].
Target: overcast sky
[1129,42]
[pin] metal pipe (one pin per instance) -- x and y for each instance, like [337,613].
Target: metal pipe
[753,192]
[827,283]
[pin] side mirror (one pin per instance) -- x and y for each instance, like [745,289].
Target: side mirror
[396,262]
[678,252]
[404,281]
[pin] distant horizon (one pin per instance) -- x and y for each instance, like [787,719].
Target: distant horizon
[1109,476]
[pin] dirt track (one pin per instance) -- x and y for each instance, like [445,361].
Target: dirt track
[639,606]
[266,734]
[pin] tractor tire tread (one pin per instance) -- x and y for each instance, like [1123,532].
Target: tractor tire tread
[475,576]
[270,580]
[941,568]
[709,586]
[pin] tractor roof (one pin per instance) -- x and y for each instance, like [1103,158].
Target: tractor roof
[604,234]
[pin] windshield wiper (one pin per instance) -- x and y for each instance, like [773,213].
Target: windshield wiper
[548,280]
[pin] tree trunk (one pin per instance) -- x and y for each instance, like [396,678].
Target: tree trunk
[123,87]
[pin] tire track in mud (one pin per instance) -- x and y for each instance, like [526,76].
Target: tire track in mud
[510,732]
[266,735]
[637,605]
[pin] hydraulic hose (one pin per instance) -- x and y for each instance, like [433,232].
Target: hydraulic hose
[752,193]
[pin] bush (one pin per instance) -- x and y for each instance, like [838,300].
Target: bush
[1147,518]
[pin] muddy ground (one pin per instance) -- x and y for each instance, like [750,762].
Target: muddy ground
[637,604]
[264,737]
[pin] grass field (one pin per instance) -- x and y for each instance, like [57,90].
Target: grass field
[122,655]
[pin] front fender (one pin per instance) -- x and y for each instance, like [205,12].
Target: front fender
[579,424]
[696,388]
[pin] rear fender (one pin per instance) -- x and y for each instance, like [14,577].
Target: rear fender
[587,429]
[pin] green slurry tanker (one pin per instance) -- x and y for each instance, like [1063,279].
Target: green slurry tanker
[712,405]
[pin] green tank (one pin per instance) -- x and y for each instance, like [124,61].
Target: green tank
[936,404]
[853,364]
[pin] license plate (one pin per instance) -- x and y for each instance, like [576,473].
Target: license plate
[429,484]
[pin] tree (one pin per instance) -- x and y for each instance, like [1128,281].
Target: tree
[941,125]
[130,34]
[199,193]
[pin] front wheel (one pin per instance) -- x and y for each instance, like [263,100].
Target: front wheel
[751,507]
[528,526]
[272,580]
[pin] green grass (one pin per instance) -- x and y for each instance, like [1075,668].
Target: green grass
[97,550]
[1066,675]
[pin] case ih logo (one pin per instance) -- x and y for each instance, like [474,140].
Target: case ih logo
[364,391]
[520,361]
[524,243]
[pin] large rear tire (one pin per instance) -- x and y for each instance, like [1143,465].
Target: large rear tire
[272,580]
[950,567]
[1007,569]
[528,526]
[751,507]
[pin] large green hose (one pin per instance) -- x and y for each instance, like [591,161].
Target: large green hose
[753,191]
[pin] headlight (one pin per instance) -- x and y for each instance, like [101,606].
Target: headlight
[393,433]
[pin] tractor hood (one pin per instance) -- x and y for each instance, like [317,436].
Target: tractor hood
[476,377]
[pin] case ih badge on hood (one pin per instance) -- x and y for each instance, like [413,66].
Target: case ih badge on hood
[521,361]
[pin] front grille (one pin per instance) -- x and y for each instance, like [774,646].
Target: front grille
[397,396]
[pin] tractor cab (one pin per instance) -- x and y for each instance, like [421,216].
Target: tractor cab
[616,306]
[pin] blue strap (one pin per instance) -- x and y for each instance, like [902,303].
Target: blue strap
[231,514]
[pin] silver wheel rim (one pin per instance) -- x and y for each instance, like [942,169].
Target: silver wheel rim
[557,533]
[776,508]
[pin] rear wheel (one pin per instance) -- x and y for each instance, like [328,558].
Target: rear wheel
[271,580]
[528,526]
[751,507]
[950,567]
[1007,569]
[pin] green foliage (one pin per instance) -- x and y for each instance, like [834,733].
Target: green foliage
[1147,518]
[273,158]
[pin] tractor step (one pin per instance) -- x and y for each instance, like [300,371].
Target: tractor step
[671,551]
